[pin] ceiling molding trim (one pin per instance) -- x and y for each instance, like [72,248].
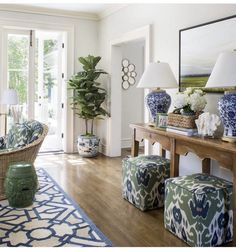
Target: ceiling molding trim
[46,11]
[111,10]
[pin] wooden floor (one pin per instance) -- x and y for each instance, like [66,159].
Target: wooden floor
[95,184]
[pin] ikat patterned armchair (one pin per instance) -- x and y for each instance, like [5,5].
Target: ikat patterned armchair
[22,143]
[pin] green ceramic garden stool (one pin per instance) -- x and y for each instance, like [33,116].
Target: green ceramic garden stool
[143,181]
[21,184]
[199,209]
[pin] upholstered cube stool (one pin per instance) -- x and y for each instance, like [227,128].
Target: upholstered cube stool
[198,209]
[143,181]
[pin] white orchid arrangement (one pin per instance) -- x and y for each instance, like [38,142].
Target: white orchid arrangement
[191,101]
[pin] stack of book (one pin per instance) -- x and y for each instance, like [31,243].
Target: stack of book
[182,131]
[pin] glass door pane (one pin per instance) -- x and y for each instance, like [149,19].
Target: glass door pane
[18,69]
[48,87]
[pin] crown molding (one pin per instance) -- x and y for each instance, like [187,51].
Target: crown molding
[21,8]
[111,10]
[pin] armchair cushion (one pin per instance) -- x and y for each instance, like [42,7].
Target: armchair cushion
[22,134]
[36,130]
[2,143]
[18,136]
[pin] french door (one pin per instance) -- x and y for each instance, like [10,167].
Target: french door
[34,69]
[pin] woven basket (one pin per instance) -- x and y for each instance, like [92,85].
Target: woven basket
[182,121]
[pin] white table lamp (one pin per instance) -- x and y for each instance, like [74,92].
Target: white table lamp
[224,76]
[158,75]
[9,97]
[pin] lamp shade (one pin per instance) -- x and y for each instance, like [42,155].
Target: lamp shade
[9,97]
[158,75]
[224,71]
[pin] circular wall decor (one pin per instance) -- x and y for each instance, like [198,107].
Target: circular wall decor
[128,74]
[131,81]
[125,62]
[133,74]
[125,78]
[125,85]
[131,67]
[125,69]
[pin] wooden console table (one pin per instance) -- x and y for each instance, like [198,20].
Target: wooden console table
[205,149]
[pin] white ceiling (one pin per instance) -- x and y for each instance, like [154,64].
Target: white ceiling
[78,7]
[91,11]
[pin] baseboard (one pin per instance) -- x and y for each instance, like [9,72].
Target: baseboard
[127,143]
[75,149]
[103,149]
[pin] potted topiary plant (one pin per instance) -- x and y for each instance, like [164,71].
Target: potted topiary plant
[87,101]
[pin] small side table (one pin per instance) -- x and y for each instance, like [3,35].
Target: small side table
[21,184]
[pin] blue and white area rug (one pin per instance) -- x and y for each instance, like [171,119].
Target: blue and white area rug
[53,220]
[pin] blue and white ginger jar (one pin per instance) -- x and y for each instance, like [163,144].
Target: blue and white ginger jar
[227,108]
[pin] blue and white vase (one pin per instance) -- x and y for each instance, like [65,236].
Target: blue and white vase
[227,108]
[88,146]
[157,102]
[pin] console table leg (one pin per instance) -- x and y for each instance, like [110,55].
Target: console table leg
[174,160]
[135,145]
[234,201]
[162,152]
[206,165]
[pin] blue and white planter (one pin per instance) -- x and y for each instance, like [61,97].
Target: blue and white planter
[227,108]
[88,146]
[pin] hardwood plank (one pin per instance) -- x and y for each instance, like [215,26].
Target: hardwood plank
[95,184]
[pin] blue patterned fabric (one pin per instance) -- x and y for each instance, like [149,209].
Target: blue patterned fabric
[199,209]
[2,143]
[143,181]
[53,220]
[18,136]
[227,109]
[22,134]
[36,129]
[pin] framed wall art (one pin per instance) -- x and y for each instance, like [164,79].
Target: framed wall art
[199,47]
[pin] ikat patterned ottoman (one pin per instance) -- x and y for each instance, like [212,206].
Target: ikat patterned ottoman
[198,209]
[144,180]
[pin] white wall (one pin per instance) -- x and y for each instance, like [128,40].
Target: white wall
[132,99]
[85,41]
[166,20]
